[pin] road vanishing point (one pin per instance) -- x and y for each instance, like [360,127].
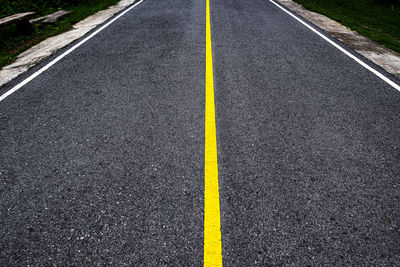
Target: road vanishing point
[201,133]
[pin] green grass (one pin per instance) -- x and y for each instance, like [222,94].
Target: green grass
[13,43]
[378,20]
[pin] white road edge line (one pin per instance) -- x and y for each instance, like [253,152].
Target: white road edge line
[54,61]
[374,71]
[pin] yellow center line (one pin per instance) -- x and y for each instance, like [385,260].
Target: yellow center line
[212,222]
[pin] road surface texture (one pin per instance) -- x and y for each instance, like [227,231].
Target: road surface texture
[102,155]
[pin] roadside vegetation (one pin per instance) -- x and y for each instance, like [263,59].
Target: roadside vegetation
[13,43]
[377,19]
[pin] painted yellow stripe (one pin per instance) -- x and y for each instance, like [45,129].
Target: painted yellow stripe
[212,222]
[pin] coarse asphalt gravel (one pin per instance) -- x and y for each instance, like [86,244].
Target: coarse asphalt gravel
[101,159]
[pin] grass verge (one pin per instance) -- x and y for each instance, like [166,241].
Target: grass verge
[13,43]
[372,18]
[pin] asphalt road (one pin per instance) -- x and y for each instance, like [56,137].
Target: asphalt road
[102,155]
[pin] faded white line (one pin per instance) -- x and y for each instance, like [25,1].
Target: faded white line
[374,71]
[54,61]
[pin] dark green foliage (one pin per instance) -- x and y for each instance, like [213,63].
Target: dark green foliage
[41,7]
[13,42]
[377,19]
[389,3]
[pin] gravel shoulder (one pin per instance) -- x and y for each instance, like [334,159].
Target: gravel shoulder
[48,47]
[386,58]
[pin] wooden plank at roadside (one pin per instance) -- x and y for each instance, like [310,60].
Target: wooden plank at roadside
[16,17]
[53,18]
